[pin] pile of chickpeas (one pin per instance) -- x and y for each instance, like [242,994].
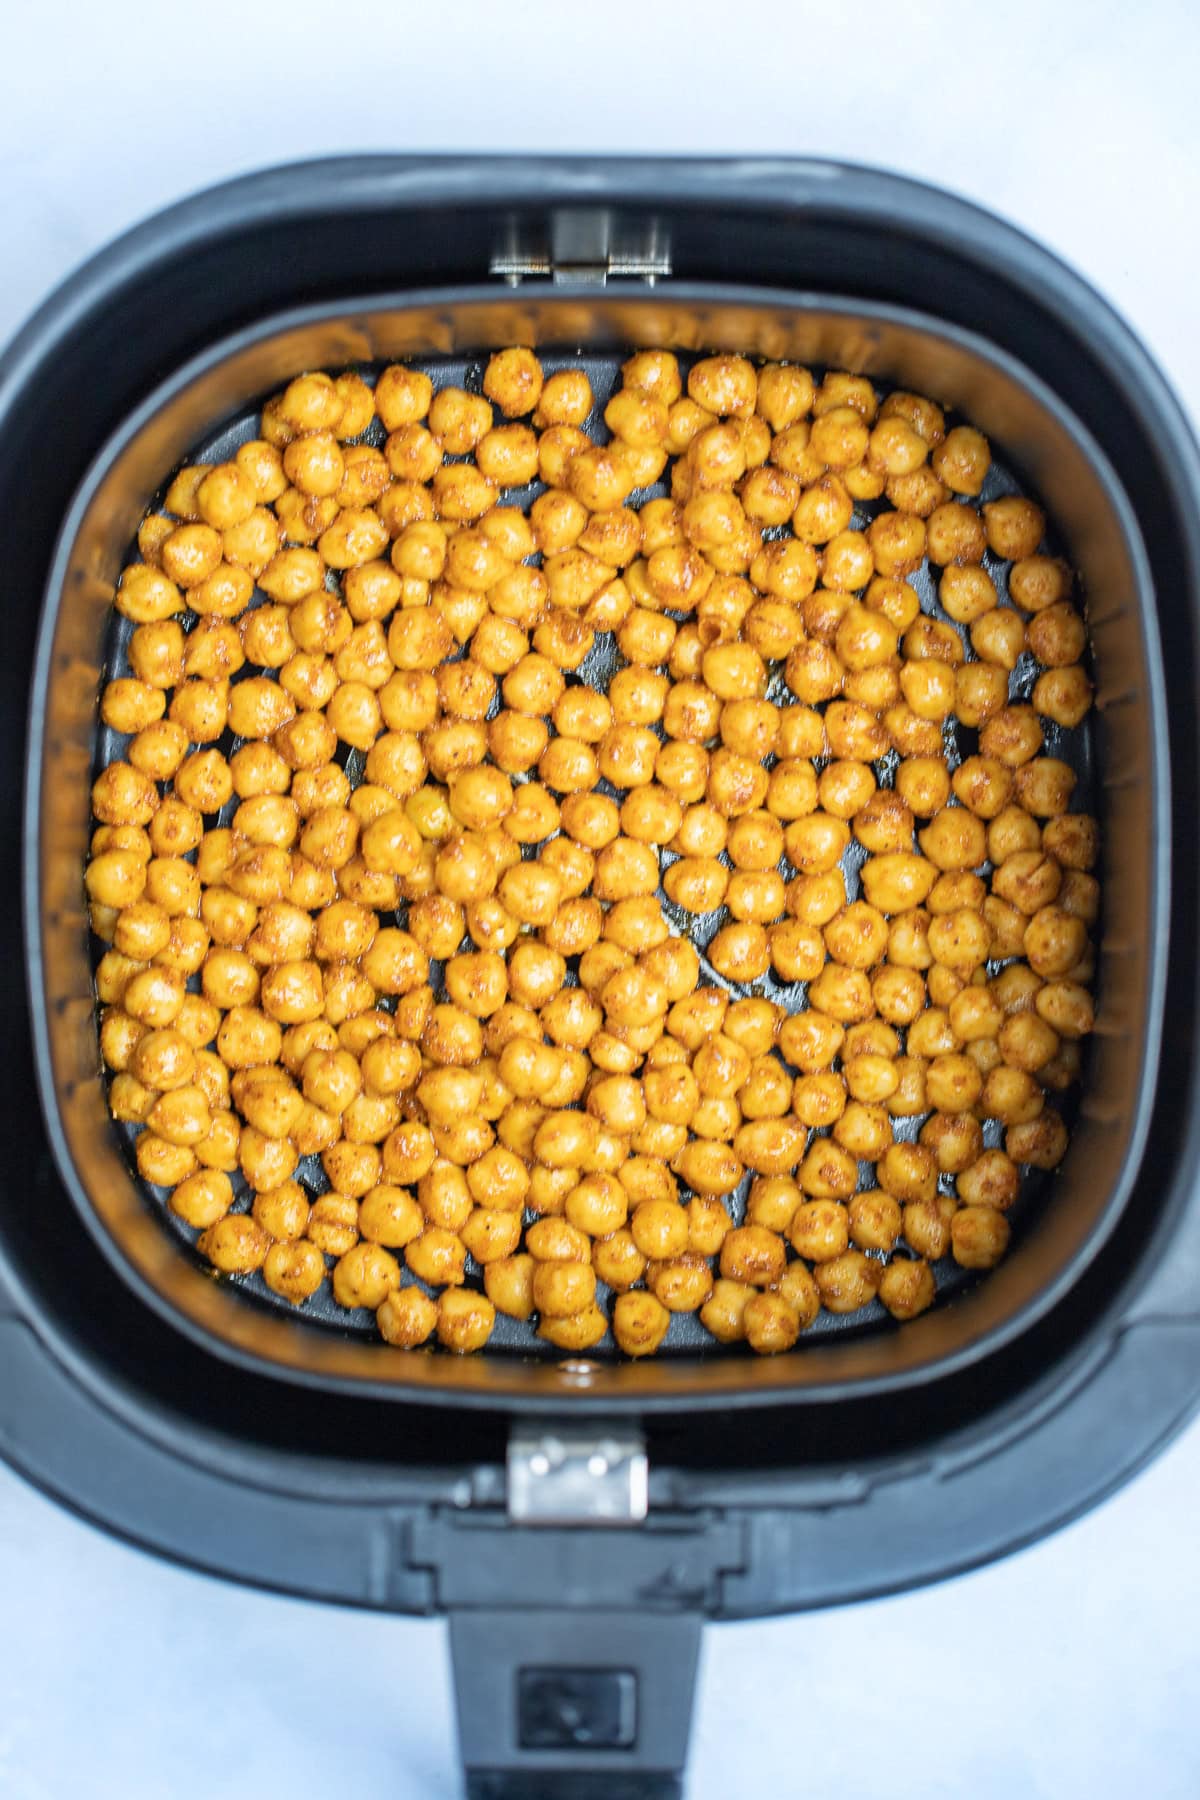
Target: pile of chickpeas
[387,879]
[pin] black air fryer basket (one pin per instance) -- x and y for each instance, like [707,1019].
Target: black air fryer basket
[511,1491]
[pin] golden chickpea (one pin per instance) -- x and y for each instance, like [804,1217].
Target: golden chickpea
[848,562]
[365,1276]
[1044,786]
[513,380]
[839,437]
[509,1284]
[236,1244]
[116,878]
[908,1172]
[465,1320]
[770,1323]
[723,1314]
[181,1117]
[437,1257]
[875,1220]
[819,1230]
[408,1317]
[201,1199]
[954,535]
[640,1323]
[1073,840]
[753,1255]
[784,394]
[561,1289]
[954,839]
[770,496]
[847,1282]
[895,447]
[773,1202]
[828,1171]
[864,1130]
[163,1164]
[1055,941]
[1067,1008]
[907,1288]
[579,1332]
[1037,583]
[724,385]
[1063,695]
[128,705]
[979,1237]
[962,459]
[148,596]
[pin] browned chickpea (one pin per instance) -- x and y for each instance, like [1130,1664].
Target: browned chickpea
[407,1317]
[236,1244]
[848,1282]
[1055,941]
[839,437]
[956,1140]
[819,1230]
[962,460]
[770,1323]
[907,1288]
[1037,583]
[577,1333]
[979,1237]
[1044,786]
[1013,735]
[1064,695]
[954,534]
[365,1276]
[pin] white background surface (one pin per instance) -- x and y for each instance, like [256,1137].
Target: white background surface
[1070,1670]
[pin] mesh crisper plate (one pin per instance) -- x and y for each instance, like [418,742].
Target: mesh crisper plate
[685,1336]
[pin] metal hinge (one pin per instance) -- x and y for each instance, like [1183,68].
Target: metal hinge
[560,1477]
[584,245]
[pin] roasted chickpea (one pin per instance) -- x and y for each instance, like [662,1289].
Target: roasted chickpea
[847,1282]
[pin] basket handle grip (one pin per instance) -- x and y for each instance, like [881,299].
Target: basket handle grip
[572,1703]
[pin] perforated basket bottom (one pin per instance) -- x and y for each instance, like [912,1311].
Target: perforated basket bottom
[685,1336]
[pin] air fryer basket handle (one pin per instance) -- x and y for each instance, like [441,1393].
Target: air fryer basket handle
[567,1703]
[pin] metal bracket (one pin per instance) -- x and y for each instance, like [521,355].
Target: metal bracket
[585,245]
[561,1477]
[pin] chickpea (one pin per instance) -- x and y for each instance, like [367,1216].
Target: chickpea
[979,1237]
[907,1288]
[465,1320]
[202,1198]
[1037,583]
[847,1282]
[365,1276]
[577,1333]
[1055,941]
[236,1244]
[819,1230]
[407,1318]
[723,1314]
[770,1323]
[437,1257]
[509,1285]
[1044,786]
[1063,695]
[875,1220]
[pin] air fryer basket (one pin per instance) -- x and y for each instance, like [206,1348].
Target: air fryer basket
[1067,470]
[773,1484]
